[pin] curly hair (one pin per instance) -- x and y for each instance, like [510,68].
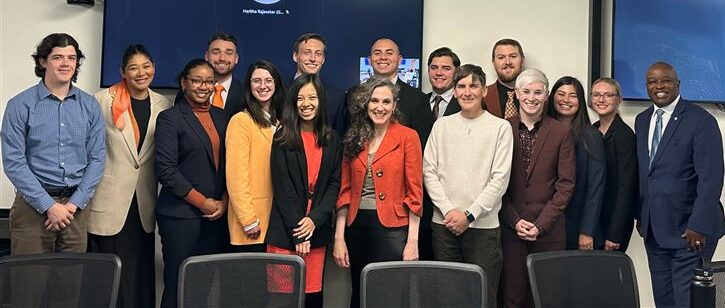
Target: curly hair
[361,126]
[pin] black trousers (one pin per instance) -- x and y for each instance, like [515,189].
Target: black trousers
[182,238]
[369,241]
[135,248]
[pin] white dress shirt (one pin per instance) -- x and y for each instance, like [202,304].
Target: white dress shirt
[447,96]
[669,109]
[226,83]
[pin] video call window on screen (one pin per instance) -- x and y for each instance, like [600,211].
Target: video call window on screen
[408,71]
[266,30]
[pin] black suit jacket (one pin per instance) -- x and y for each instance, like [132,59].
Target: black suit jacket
[452,107]
[235,98]
[184,159]
[289,204]
[582,213]
[621,189]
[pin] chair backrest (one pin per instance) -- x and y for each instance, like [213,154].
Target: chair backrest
[242,280]
[718,269]
[575,278]
[422,284]
[60,280]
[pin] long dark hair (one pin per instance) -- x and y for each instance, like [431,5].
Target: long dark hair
[289,134]
[581,118]
[361,126]
[254,107]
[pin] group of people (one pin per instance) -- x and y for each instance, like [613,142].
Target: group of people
[467,173]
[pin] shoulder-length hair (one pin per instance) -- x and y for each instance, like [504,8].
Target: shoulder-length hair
[254,107]
[361,126]
[289,135]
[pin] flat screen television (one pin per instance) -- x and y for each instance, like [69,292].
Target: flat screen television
[176,31]
[690,35]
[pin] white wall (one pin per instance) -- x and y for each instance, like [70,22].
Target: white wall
[554,35]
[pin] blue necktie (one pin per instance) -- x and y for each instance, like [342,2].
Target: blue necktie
[657,135]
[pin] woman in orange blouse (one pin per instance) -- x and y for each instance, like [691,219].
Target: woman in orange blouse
[380,199]
[306,157]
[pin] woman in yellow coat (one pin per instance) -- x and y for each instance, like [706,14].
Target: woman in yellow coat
[249,142]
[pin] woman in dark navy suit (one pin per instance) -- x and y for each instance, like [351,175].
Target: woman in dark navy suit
[190,166]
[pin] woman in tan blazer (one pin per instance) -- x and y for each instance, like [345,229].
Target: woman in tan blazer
[121,213]
[249,142]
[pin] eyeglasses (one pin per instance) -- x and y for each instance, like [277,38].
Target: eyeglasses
[197,82]
[536,94]
[606,96]
[259,81]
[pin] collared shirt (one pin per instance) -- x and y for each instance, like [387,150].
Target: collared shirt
[503,91]
[447,96]
[227,83]
[528,140]
[51,144]
[668,110]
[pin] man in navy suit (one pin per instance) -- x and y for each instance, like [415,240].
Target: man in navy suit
[679,147]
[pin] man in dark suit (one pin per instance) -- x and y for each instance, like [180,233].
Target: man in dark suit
[541,184]
[308,53]
[385,58]
[442,65]
[508,61]
[680,155]
[221,52]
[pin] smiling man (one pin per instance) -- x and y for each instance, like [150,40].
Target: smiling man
[442,65]
[680,156]
[508,60]
[222,53]
[308,52]
[415,112]
[53,152]
[466,170]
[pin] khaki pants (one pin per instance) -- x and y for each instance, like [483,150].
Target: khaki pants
[29,236]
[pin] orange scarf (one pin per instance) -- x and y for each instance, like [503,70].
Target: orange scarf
[122,103]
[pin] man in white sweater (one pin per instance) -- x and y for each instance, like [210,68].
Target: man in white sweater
[466,169]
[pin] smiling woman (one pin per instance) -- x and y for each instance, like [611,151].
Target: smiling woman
[121,220]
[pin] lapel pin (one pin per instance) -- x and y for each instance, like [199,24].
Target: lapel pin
[675,118]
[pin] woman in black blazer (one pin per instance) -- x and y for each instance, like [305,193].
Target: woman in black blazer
[567,104]
[621,190]
[190,166]
[306,157]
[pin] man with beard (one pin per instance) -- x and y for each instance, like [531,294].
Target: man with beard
[221,52]
[508,60]
[308,53]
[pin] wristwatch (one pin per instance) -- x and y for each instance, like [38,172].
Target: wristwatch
[469,216]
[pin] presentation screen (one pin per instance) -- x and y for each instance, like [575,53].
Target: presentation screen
[176,31]
[690,35]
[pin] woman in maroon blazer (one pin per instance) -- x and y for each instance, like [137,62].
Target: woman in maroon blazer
[382,185]
[542,182]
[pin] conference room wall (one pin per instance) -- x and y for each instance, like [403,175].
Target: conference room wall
[555,38]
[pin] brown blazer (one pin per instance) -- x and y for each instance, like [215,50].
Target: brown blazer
[542,196]
[492,101]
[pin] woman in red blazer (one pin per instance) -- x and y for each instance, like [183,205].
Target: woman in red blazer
[380,198]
